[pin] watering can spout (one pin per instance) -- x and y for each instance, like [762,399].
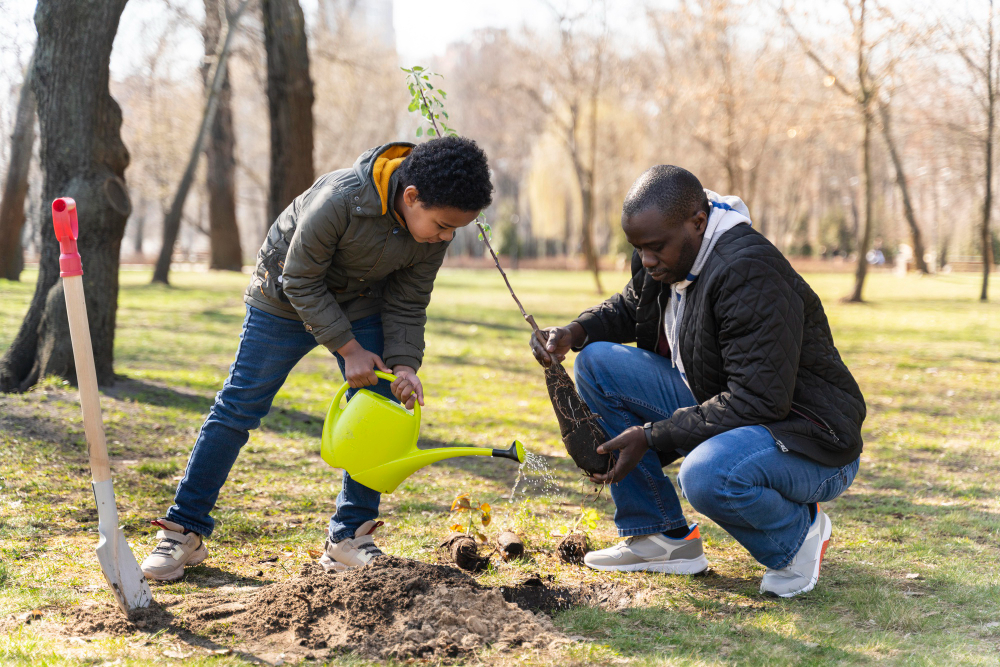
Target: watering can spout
[515,452]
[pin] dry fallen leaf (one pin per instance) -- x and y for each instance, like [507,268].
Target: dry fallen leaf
[314,553]
[913,575]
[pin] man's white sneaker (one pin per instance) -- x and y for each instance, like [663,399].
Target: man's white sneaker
[801,575]
[351,552]
[177,548]
[653,553]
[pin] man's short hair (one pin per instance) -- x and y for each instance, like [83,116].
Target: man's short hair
[675,192]
[450,171]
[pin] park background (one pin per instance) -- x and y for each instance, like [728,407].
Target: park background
[859,133]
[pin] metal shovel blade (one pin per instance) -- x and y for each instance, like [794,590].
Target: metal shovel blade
[117,562]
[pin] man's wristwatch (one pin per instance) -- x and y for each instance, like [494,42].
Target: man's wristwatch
[647,428]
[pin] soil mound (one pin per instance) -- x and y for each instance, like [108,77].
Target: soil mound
[392,607]
[95,619]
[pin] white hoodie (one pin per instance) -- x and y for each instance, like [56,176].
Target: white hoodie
[726,213]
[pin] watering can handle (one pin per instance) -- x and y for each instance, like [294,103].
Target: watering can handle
[335,407]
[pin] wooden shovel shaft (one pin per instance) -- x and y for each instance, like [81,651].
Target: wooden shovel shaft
[86,377]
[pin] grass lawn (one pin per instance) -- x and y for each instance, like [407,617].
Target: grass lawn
[912,575]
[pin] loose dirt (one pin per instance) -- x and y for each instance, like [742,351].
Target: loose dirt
[392,608]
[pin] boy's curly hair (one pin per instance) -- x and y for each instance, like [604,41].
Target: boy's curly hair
[450,171]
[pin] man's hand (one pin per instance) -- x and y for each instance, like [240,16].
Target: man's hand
[558,341]
[360,364]
[631,447]
[407,387]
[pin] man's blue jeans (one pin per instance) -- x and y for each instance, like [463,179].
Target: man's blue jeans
[269,348]
[740,479]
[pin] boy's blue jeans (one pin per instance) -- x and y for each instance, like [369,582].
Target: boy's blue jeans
[740,479]
[269,348]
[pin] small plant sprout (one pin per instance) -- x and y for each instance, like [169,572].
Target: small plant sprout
[463,504]
[428,100]
[586,522]
[485,230]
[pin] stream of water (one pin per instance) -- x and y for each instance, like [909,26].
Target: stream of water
[534,475]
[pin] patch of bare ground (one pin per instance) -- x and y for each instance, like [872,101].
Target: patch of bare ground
[392,608]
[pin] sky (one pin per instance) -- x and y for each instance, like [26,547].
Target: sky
[424,28]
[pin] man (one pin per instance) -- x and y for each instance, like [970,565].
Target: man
[735,370]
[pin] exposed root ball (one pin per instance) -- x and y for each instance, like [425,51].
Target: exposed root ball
[465,553]
[581,434]
[511,546]
[573,548]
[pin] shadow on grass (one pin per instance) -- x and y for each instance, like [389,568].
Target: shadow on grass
[278,420]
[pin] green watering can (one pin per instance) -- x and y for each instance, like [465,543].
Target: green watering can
[375,440]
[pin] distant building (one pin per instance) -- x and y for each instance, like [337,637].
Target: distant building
[373,17]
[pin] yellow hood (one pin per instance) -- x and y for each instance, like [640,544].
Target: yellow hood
[386,163]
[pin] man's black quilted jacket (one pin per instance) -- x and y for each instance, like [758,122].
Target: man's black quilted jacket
[756,347]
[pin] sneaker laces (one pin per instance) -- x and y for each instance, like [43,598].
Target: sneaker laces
[166,546]
[371,550]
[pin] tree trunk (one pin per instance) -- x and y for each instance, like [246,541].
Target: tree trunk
[911,218]
[866,100]
[289,100]
[224,234]
[16,184]
[991,94]
[587,230]
[83,157]
[172,221]
[866,229]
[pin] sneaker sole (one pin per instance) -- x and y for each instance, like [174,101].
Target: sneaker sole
[678,566]
[200,554]
[827,534]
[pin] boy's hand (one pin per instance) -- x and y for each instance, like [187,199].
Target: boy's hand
[558,342]
[360,364]
[407,387]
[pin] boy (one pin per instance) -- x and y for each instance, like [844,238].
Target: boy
[350,264]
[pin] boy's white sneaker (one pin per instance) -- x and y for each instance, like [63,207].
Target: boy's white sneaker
[801,575]
[653,553]
[351,552]
[176,549]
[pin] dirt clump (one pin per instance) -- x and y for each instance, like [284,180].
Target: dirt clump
[465,553]
[573,548]
[391,608]
[511,545]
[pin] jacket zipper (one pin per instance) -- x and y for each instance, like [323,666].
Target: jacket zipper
[818,421]
[779,443]
[385,245]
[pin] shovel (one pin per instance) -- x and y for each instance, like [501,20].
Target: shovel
[117,562]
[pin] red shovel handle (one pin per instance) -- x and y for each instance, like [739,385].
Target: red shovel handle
[67,228]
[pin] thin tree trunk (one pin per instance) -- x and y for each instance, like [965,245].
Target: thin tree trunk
[991,94]
[911,218]
[866,100]
[226,253]
[866,230]
[83,157]
[16,184]
[172,221]
[290,99]
[586,179]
